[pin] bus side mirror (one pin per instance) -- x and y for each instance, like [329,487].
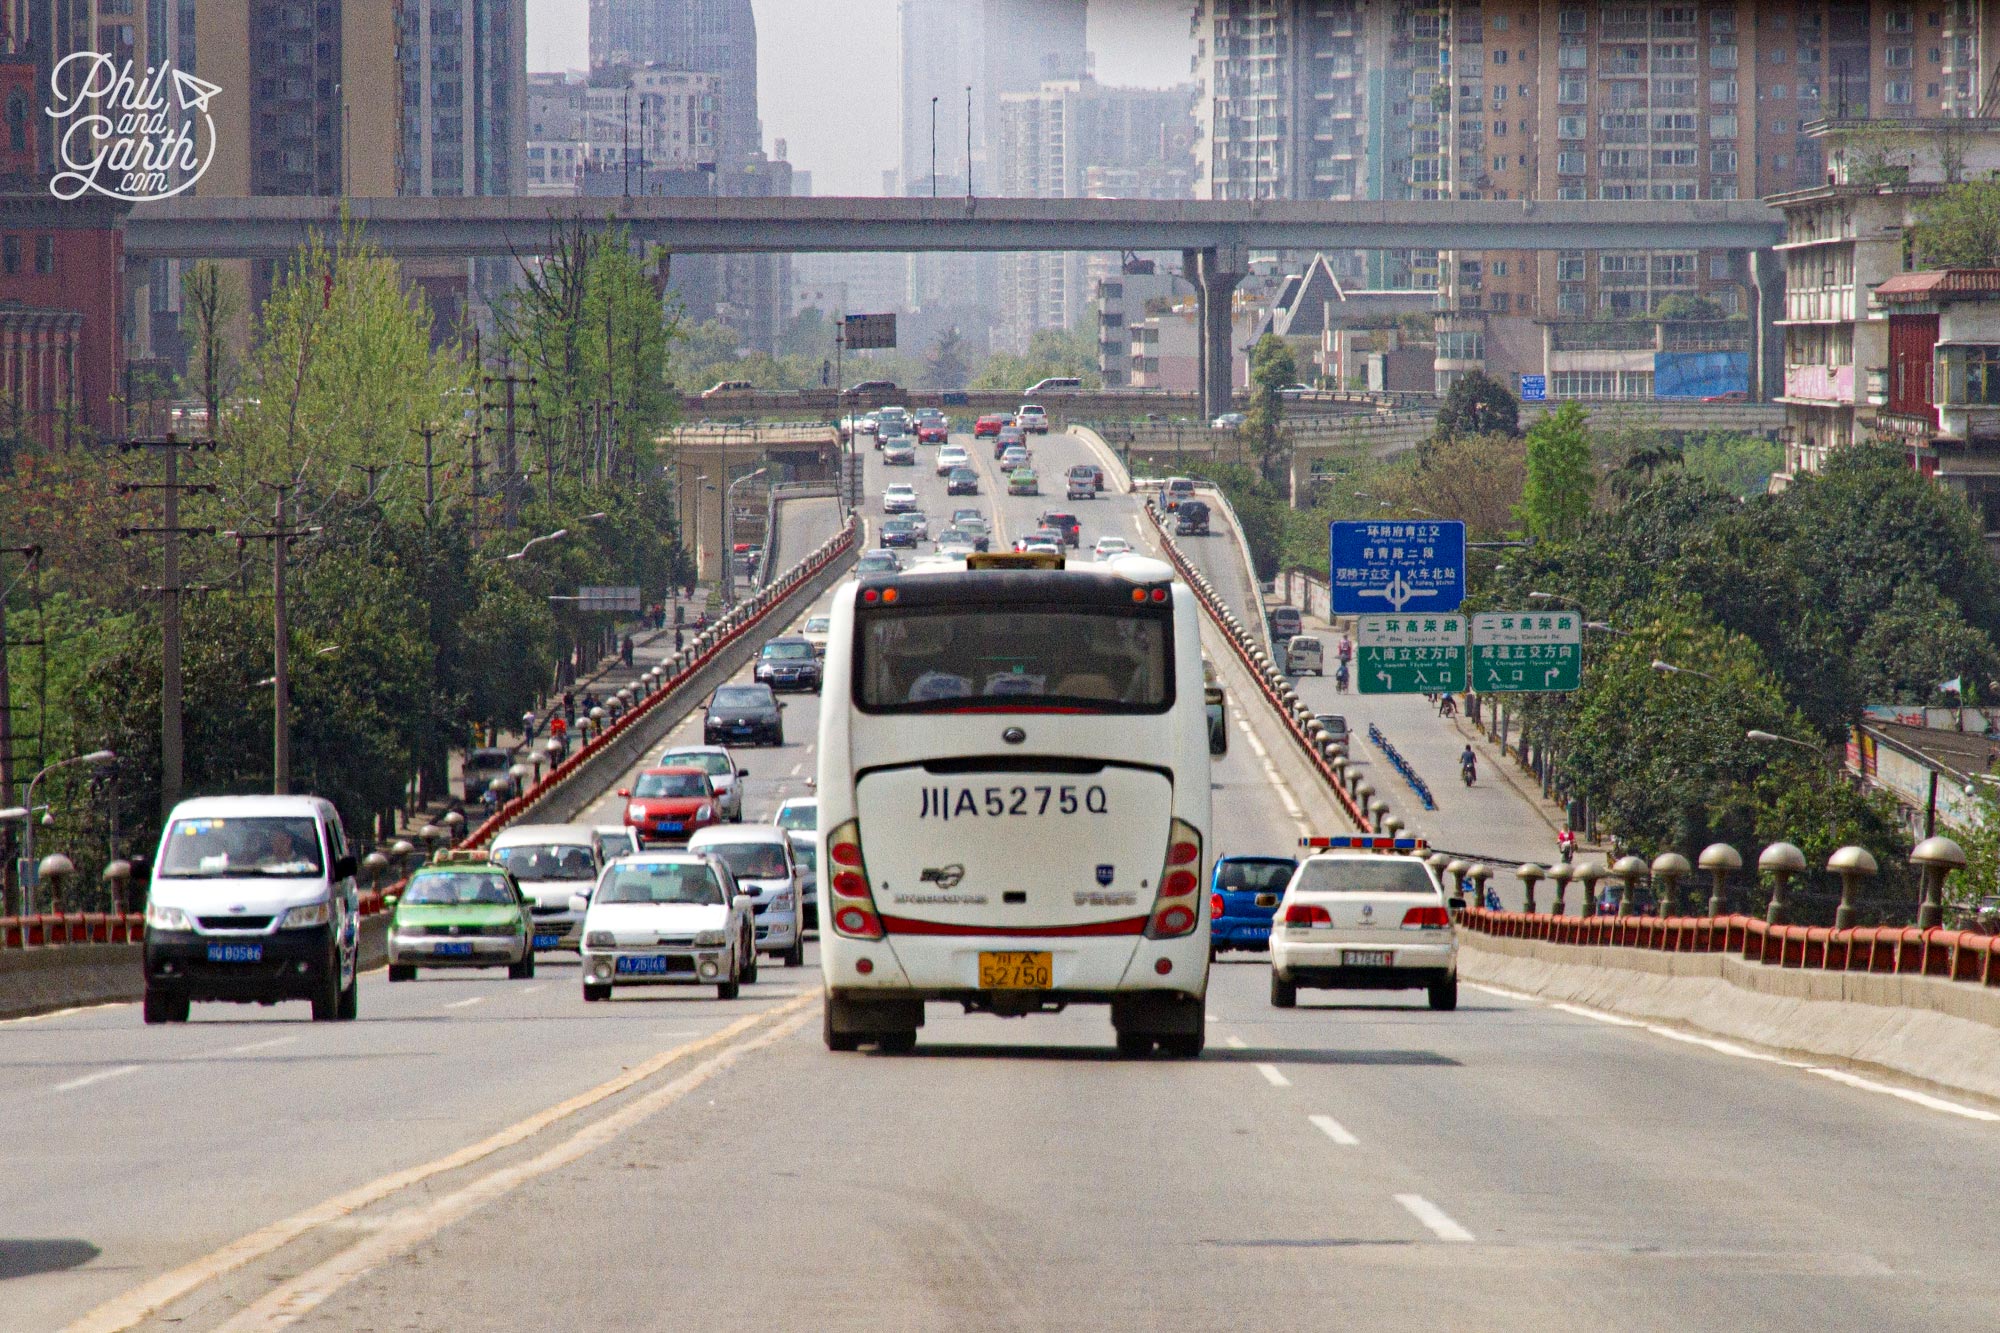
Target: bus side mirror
[345,867]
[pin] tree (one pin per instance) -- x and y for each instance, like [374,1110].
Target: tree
[1476,478]
[1272,367]
[1556,496]
[944,367]
[1961,227]
[1477,404]
[1681,306]
[1051,353]
[211,301]
[1740,464]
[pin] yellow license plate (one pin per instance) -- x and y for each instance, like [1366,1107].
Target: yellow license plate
[1016,971]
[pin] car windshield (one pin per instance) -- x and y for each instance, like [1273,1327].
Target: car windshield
[671,785]
[750,860]
[794,650]
[708,761]
[798,816]
[806,853]
[284,846]
[1364,874]
[950,535]
[545,861]
[660,882]
[432,888]
[945,659]
[617,842]
[740,696]
[819,625]
[1254,876]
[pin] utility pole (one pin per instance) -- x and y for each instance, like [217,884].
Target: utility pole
[280,538]
[170,589]
[510,457]
[34,554]
[429,435]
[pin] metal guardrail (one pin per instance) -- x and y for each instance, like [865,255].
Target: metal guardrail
[1402,765]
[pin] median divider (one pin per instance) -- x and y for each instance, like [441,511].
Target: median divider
[1327,756]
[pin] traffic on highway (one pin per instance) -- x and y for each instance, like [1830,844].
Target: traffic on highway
[997,805]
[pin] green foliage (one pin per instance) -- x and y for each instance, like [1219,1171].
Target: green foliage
[944,365]
[1680,306]
[1739,464]
[1051,352]
[1961,227]
[1272,367]
[1478,404]
[1560,483]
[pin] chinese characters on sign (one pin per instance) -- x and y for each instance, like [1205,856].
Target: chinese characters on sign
[1397,565]
[1515,652]
[1410,654]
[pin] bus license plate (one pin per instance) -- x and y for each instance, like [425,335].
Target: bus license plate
[1016,971]
[235,953]
[1365,957]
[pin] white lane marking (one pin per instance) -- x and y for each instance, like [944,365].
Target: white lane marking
[1503,992]
[1273,1077]
[1732,1049]
[1334,1130]
[1214,1017]
[798,768]
[248,1047]
[460,1004]
[1236,1044]
[98,1077]
[293,1300]
[530,990]
[64,1013]
[1923,1099]
[1277,781]
[1435,1218]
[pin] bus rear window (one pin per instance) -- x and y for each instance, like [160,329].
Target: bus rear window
[967,658]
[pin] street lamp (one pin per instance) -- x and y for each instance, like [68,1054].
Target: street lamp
[1773,738]
[1554,597]
[728,535]
[1602,628]
[25,815]
[1669,669]
[533,542]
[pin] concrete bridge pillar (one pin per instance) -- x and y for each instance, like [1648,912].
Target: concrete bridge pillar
[1216,273]
[1767,339]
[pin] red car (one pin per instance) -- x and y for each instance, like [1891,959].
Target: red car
[990,425]
[1732,396]
[932,433]
[669,804]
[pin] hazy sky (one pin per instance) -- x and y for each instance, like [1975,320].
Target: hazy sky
[827,71]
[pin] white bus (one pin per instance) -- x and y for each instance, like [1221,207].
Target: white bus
[1014,799]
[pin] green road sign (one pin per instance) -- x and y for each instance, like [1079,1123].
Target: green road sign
[1411,654]
[1526,652]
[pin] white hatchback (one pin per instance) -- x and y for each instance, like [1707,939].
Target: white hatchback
[899,499]
[1355,919]
[666,918]
[952,456]
[1110,547]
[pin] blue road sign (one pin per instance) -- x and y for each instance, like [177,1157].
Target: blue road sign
[1394,565]
[1534,388]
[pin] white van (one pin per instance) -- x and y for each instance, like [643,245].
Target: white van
[252,899]
[550,862]
[1304,653]
[1055,384]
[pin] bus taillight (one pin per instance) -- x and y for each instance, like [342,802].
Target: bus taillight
[1176,909]
[853,905]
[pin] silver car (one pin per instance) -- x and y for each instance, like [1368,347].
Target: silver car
[550,862]
[720,765]
[759,857]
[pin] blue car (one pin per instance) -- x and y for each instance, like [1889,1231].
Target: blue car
[1243,897]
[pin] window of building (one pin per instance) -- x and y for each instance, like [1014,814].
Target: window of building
[1569,268]
[1722,92]
[17,122]
[1461,345]
[1722,57]
[1722,159]
[1569,127]
[1897,21]
[1572,21]
[1899,57]
[1571,92]
[1722,127]
[45,254]
[1569,163]
[1571,302]
[1982,376]
[1777,92]
[1898,92]
[10,253]
[1721,20]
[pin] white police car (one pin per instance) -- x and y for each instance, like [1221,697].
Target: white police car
[1364,913]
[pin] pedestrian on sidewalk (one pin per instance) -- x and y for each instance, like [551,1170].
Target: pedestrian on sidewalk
[569,707]
[1566,844]
[625,651]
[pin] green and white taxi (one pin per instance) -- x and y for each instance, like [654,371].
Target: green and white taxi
[461,910]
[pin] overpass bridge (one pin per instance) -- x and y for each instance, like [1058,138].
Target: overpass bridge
[1215,237]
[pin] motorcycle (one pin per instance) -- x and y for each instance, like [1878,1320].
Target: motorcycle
[1468,771]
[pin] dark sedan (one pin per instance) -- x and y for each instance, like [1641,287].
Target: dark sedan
[788,664]
[744,714]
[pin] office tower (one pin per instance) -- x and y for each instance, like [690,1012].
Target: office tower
[716,37]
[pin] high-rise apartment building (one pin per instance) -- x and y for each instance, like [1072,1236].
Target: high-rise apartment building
[1569,99]
[463,66]
[716,37]
[641,126]
[1055,142]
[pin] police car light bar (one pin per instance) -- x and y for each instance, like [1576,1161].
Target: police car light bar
[1363,842]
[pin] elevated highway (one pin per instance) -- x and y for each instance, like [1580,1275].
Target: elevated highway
[478,1153]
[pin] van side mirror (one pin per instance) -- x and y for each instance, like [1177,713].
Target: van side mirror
[624,791]
[345,867]
[742,772]
[1456,902]
[744,902]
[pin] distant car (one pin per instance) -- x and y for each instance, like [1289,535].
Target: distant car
[1039,537]
[1304,653]
[990,424]
[1014,456]
[721,387]
[1191,518]
[900,498]
[967,514]
[932,432]
[670,804]
[1055,384]
[746,714]
[479,767]
[1243,898]
[613,841]
[962,481]
[1042,548]
[955,544]
[1284,622]
[1176,490]
[720,765]
[951,456]
[816,630]
[1296,391]
[1065,523]
[875,386]
[899,452]
[1033,418]
[877,562]
[1109,547]
[1335,724]
[1355,920]
[1083,481]
[760,857]
[1022,481]
[797,814]
[1228,421]
[900,531]
[805,851]
[461,911]
[924,414]
[666,918]
[923,523]
[867,425]
[1732,396]
[788,664]
[1009,437]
